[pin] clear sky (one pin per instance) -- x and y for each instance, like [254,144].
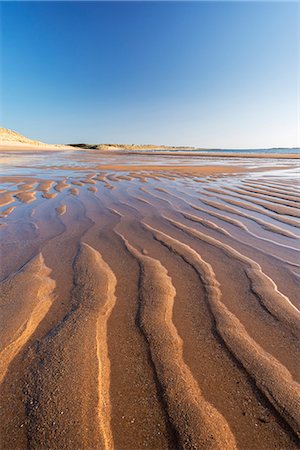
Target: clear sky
[208,74]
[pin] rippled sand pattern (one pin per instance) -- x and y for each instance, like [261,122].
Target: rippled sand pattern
[150,307]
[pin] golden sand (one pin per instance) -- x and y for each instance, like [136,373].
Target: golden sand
[150,304]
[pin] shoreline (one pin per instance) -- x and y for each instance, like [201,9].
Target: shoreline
[180,153]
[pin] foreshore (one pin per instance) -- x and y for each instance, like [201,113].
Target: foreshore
[149,301]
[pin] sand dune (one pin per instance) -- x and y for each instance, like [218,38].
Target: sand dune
[142,309]
[11,140]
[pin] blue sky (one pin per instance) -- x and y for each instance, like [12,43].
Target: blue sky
[208,74]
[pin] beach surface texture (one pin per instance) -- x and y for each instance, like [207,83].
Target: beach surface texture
[149,299]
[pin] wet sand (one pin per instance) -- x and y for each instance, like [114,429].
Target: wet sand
[149,301]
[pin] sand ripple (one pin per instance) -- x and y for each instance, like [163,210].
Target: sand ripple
[150,307]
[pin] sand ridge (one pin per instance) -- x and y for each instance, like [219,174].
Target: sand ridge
[272,378]
[26,297]
[197,423]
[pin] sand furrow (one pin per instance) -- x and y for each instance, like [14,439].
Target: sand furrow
[92,189]
[155,196]
[271,377]
[89,264]
[239,224]
[253,205]
[61,185]
[256,195]
[69,373]
[221,217]
[138,417]
[207,223]
[7,197]
[77,183]
[277,187]
[7,211]
[198,424]
[268,192]
[243,240]
[140,199]
[49,195]
[232,395]
[45,185]
[263,286]
[101,177]
[173,326]
[224,208]
[124,177]
[74,191]
[112,177]
[26,297]
[61,210]
[266,225]
[26,197]
[88,181]
[24,237]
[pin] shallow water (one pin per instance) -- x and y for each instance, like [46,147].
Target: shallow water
[279,151]
[68,162]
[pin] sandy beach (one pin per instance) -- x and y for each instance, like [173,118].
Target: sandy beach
[149,301]
[150,225]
